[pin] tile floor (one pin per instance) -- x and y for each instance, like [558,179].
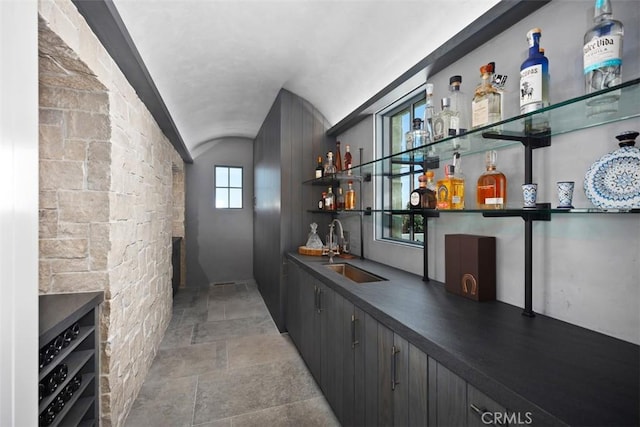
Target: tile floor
[223,363]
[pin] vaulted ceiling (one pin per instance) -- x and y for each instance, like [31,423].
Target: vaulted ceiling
[219,64]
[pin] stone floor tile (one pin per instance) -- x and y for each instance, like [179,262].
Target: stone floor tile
[226,329]
[188,361]
[308,413]
[233,392]
[164,403]
[259,349]
[219,423]
[180,336]
[191,316]
[248,308]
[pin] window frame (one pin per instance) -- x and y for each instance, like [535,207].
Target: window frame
[228,187]
[384,193]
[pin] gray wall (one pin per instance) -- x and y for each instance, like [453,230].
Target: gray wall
[586,269]
[219,241]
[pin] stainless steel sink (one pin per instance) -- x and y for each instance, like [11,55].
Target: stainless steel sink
[354,273]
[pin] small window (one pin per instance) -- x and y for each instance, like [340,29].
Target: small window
[228,187]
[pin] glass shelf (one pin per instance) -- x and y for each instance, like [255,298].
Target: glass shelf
[564,117]
[333,180]
[515,211]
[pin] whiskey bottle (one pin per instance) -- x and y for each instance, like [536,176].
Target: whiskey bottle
[602,57]
[486,107]
[417,136]
[491,189]
[350,198]
[347,159]
[424,197]
[338,158]
[534,76]
[340,199]
[319,168]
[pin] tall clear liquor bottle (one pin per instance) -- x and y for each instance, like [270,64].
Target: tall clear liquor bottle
[329,167]
[429,111]
[459,105]
[443,125]
[486,107]
[602,58]
[491,190]
[416,137]
[534,83]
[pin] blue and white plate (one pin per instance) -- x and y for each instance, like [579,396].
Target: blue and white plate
[613,182]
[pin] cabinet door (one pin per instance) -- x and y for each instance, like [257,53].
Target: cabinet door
[348,326]
[482,410]
[447,397]
[386,362]
[360,360]
[371,370]
[309,325]
[400,380]
[293,303]
[418,387]
[332,332]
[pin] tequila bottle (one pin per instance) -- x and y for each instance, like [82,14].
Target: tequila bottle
[534,76]
[491,189]
[350,198]
[446,122]
[424,197]
[451,188]
[416,137]
[459,105]
[486,107]
[329,167]
[429,111]
[602,57]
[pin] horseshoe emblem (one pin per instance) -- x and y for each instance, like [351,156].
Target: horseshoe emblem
[467,280]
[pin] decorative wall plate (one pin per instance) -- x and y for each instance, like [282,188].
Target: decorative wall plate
[613,181]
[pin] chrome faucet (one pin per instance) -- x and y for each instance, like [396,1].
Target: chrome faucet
[330,243]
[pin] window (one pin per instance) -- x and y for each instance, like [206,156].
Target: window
[397,185]
[228,187]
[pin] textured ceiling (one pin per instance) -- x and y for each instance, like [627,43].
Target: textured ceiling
[219,64]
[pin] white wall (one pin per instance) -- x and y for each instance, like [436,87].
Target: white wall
[219,241]
[18,213]
[586,268]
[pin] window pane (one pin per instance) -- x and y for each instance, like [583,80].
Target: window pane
[222,176]
[222,198]
[235,198]
[235,177]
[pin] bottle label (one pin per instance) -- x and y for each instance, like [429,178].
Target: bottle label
[601,52]
[480,112]
[493,201]
[531,86]
[414,200]
[318,173]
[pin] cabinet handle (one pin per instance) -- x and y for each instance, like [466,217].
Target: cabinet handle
[319,300]
[315,298]
[354,342]
[394,367]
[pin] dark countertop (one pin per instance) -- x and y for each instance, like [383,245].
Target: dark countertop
[562,373]
[59,311]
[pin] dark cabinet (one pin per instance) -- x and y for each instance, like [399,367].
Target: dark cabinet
[483,411]
[447,397]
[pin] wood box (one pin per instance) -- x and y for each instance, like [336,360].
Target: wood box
[470,266]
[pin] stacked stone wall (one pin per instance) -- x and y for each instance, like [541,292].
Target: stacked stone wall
[110,200]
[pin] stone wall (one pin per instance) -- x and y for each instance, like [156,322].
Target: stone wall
[112,197]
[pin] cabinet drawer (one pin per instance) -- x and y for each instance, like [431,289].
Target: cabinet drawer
[484,411]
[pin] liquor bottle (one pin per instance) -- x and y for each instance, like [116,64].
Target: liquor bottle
[459,105]
[347,159]
[329,167]
[350,199]
[451,187]
[424,197]
[602,57]
[486,107]
[429,111]
[321,202]
[330,201]
[319,168]
[534,76]
[340,199]
[442,125]
[417,136]
[338,158]
[491,190]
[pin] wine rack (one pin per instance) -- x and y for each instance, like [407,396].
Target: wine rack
[69,359]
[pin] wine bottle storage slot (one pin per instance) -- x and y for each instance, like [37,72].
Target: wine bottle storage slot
[68,377]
